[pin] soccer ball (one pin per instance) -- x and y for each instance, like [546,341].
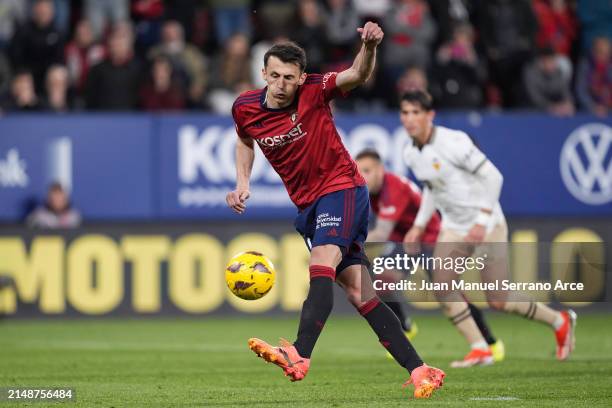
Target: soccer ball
[249,275]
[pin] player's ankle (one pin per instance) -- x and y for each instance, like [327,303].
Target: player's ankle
[559,320]
[479,345]
[302,354]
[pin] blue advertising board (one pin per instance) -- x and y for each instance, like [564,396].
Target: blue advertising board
[196,162]
[551,166]
[181,166]
[104,160]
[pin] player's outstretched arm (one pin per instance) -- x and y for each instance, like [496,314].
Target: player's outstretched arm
[363,65]
[245,156]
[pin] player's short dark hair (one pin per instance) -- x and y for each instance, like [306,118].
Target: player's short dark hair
[287,52]
[369,154]
[418,97]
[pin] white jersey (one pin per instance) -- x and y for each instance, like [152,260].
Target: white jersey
[447,165]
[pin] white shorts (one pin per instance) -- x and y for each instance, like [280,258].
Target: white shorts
[499,233]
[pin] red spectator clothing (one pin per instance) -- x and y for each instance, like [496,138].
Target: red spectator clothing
[600,83]
[170,100]
[399,200]
[80,60]
[300,141]
[556,29]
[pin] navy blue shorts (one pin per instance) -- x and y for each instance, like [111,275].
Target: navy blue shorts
[339,218]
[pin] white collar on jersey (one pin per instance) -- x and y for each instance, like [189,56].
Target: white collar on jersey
[429,141]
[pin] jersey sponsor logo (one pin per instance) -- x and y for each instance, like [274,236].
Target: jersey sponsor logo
[389,210]
[296,133]
[325,220]
[586,163]
[13,170]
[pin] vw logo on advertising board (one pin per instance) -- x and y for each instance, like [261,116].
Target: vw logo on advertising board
[586,163]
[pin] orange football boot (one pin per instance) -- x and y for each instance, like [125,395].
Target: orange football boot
[285,356]
[426,380]
[473,358]
[566,335]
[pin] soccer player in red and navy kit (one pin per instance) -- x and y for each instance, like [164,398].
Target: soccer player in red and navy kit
[291,121]
[396,201]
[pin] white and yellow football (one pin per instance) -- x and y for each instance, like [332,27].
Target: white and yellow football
[250,275]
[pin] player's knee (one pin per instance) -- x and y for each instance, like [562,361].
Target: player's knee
[497,304]
[327,255]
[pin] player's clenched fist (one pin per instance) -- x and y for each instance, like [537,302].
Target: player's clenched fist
[236,200]
[371,34]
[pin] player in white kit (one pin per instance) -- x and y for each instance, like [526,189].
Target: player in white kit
[465,187]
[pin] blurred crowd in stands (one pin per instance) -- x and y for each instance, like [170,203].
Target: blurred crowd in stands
[173,55]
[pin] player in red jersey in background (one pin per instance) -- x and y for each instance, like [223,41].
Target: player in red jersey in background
[291,121]
[395,202]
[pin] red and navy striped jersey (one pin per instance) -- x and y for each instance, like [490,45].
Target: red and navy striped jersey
[300,141]
[399,200]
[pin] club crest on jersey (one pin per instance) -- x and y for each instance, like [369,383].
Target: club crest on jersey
[436,164]
[293,117]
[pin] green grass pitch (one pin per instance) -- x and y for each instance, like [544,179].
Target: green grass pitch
[205,362]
